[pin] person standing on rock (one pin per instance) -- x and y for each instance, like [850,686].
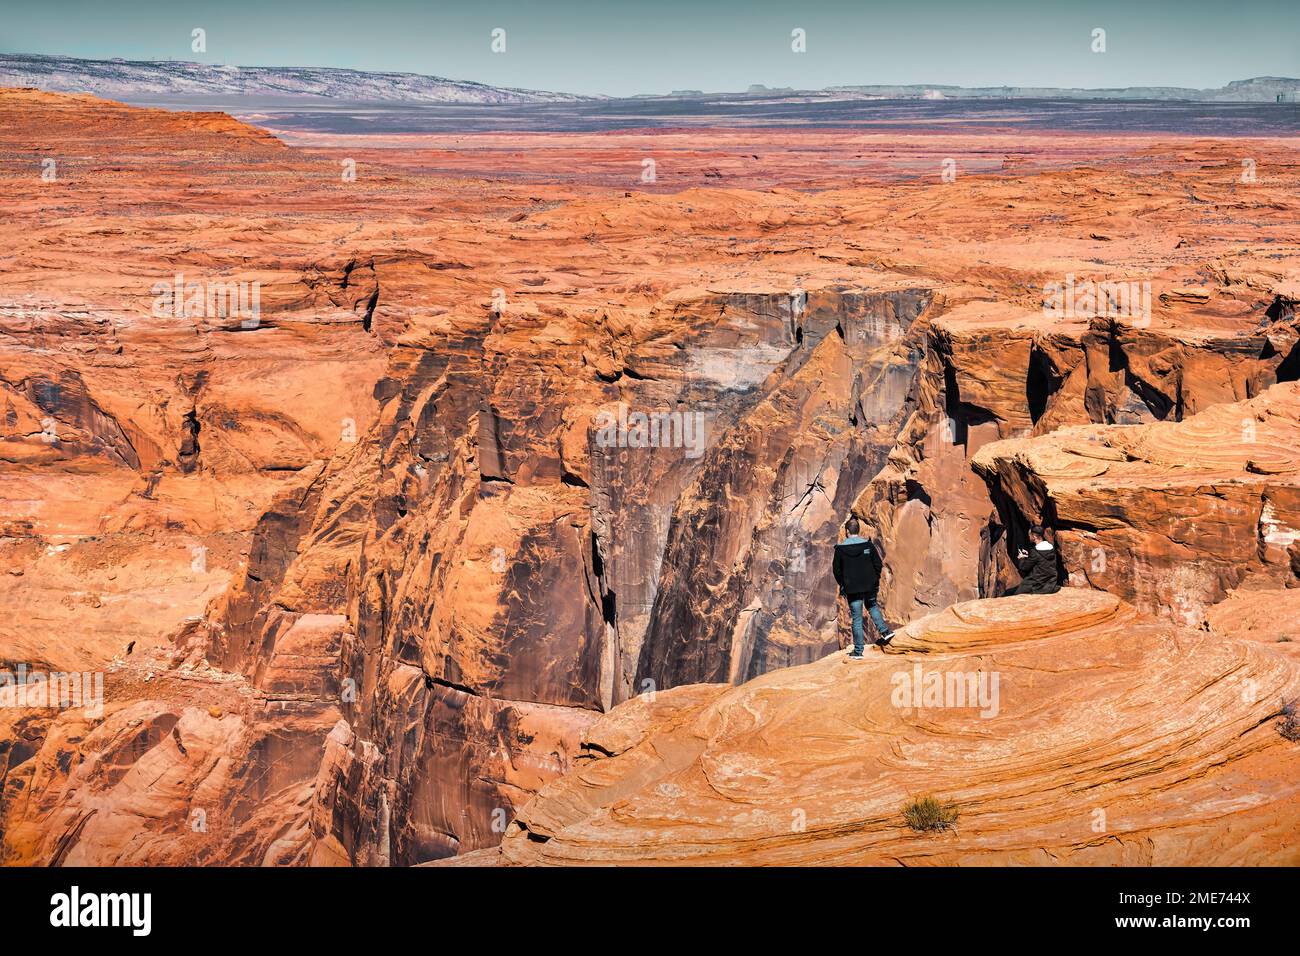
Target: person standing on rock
[1038,574]
[857,571]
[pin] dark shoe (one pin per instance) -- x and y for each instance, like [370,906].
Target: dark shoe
[856,656]
[885,639]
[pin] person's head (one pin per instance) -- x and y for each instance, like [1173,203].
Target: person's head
[1035,533]
[852,526]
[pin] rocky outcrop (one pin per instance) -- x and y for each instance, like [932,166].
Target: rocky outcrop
[179,764]
[1171,516]
[994,372]
[1031,717]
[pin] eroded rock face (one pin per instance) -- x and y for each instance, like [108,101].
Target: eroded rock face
[181,765]
[996,373]
[744,589]
[1033,717]
[522,568]
[141,443]
[1171,516]
[498,458]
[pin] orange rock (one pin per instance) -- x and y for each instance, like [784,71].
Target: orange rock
[1171,515]
[378,532]
[1033,716]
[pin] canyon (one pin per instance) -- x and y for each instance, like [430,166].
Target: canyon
[501,532]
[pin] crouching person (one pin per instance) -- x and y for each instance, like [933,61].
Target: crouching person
[1038,570]
[857,568]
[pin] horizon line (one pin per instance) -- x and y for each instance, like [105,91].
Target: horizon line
[531,89]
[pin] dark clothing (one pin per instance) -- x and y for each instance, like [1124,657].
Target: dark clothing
[857,568]
[1038,573]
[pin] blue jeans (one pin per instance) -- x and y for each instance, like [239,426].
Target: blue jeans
[859,631]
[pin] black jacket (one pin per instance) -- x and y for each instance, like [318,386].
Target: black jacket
[1038,572]
[857,568]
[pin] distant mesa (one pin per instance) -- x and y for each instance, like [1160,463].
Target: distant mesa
[1259,89]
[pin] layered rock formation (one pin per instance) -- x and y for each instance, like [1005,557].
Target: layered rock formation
[996,374]
[994,707]
[143,442]
[496,457]
[1171,516]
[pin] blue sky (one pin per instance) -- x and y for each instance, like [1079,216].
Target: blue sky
[622,48]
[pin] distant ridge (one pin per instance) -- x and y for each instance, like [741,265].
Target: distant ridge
[136,80]
[133,79]
[1259,89]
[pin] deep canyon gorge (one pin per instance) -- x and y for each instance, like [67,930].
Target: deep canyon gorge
[370,583]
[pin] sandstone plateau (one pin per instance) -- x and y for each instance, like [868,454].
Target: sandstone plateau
[369,585]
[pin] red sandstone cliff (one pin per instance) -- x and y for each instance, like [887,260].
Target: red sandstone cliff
[383,575]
